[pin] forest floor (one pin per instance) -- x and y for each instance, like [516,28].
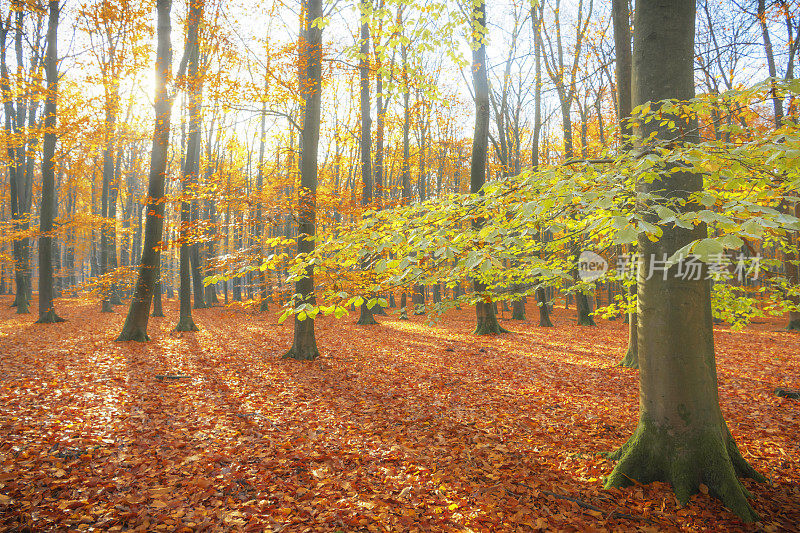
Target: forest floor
[403,426]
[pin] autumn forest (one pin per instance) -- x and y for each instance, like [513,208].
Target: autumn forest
[399,265]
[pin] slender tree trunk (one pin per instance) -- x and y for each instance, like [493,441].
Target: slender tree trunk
[366,317]
[790,265]
[135,327]
[259,197]
[188,250]
[682,436]
[487,323]
[47,310]
[622,44]
[777,101]
[304,345]
[113,200]
[406,170]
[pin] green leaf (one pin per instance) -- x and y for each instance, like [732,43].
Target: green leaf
[732,241]
[626,235]
[706,248]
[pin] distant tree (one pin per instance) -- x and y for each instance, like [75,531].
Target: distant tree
[564,74]
[20,108]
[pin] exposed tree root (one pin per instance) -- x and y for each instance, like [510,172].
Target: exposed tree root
[186,324]
[308,354]
[586,505]
[489,326]
[50,317]
[136,334]
[794,325]
[631,359]
[787,393]
[709,457]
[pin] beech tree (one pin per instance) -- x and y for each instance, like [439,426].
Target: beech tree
[135,327]
[20,109]
[564,75]
[366,316]
[682,437]
[487,323]
[191,168]
[622,45]
[47,312]
[304,345]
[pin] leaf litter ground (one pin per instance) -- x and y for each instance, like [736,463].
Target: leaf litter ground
[404,426]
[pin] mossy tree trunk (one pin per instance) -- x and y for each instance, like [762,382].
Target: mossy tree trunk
[304,344]
[681,437]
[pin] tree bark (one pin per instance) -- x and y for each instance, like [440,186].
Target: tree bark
[487,323]
[135,327]
[47,311]
[622,45]
[366,317]
[304,345]
[682,436]
[189,251]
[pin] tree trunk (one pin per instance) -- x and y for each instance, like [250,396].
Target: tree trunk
[211,290]
[518,309]
[366,317]
[631,359]
[135,327]
[777,101]
[544,308]
[403,306]
[487,323]
[106,245]
[189,252]
[622,44]
[681,437]
[47,311]
[584,309]
[304,346]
